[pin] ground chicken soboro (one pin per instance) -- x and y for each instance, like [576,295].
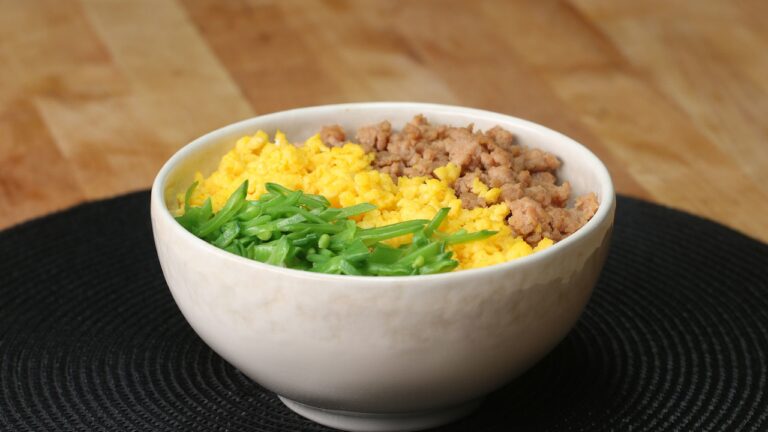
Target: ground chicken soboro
[493,167]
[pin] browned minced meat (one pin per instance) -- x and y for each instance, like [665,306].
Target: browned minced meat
[333,135]
[526,176]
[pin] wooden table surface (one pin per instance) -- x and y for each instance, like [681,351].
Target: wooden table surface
[95,95]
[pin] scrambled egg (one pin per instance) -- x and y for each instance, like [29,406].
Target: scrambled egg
[345,177]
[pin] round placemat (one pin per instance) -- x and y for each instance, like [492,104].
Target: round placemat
[674,338]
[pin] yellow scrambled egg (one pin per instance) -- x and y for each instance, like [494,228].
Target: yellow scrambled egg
[345,177]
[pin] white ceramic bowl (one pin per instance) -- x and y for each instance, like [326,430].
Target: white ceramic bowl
[381,353]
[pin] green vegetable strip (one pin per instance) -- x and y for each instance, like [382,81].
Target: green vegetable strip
[196,216]
[310,217]
[255,230]
[307,240]
[347,268]
[261,252]
[280,252]
[436,221]
[427,252]
[258,220]
[356,251]
[317,258]
[388,270]
[468,237]
[235,248]
[188,197]
[383,254]
[230,209]
[373,235]
[229,233]
[298,235]
[292,221]
[438,267]
[329,266]
[293,229]
[311,201]
[355,210]
[340,240]
[316,228]
[251,211]
[193,217]
[293,197]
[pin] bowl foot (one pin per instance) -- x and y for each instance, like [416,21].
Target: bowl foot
[378,422]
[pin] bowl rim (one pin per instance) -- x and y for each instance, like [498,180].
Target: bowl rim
[604,211]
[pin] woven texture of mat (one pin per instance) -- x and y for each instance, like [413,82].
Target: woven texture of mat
[674,338]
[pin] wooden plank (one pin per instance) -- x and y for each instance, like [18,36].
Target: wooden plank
[162,88]
[550,35]
[36,178]
[717,74]
[367,62]
[664,151]
[268,58]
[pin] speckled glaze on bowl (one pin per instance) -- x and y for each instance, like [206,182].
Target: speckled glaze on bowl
[387,353]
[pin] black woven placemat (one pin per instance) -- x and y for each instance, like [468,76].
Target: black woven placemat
[674,338]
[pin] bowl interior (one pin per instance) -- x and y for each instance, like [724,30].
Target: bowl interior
[585,172]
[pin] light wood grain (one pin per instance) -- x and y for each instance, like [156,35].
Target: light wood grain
[95,95]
